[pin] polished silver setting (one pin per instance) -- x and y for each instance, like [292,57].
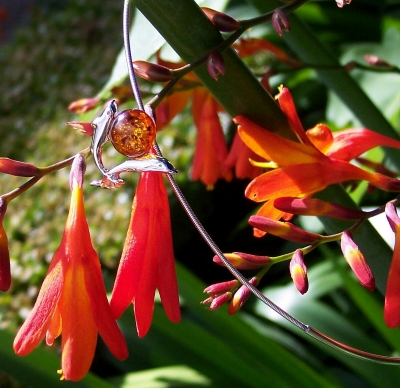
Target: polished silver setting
[111,178]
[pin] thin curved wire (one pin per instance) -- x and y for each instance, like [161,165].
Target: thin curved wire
[214,247]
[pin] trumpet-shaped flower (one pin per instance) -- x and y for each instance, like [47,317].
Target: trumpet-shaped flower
[147,261]
[302,169]
[72,300]
[211,149]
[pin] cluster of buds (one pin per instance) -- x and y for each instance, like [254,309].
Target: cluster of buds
[297,170]
[230,291]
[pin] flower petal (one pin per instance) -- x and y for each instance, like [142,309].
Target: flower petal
[34,328]
[351,143]
[167,283]
[271,146]
[133,255]
[79,331]
[211,149]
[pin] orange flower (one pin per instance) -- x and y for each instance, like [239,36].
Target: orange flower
[239,157]
[72,299]
[301,168]
[147,261]
[211,150]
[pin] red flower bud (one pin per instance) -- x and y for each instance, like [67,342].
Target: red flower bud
[219,288]
[285,230]
[244,261]
[280,21]
[17,168]
[241,296]
[83,105]
[298,271]
[357,262]
[317,207]
[215,64]
[222,21]
[152,71]
[218,301]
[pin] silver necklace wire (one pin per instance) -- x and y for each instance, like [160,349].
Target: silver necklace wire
[214,247]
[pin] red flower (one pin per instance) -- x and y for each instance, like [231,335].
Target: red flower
[147,261]
[72,299]
[301,169]
[211,150]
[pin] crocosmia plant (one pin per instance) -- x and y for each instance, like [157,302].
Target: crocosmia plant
[268,130]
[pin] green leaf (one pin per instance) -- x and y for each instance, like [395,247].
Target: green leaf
[227,350]
[39,369]
[323,317]
[179,375]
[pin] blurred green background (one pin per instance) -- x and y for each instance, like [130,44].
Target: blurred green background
[66,50]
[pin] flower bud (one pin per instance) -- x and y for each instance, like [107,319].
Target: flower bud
[298,271]
[152,71]
[215,64]
[218,301]
[280,21]
[85,128]
[317,207]
[77,174]
[244,261]
[375,61]
[5,272]
[357,262]
[392,216]
[222,21]
[219,288]
[285,230]
[241,296]
[83,105]
[17,168]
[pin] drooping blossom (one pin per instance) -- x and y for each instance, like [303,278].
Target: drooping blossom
[72,301]
[301,168]
[147,261]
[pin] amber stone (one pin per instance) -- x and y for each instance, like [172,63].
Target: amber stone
[133,133]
